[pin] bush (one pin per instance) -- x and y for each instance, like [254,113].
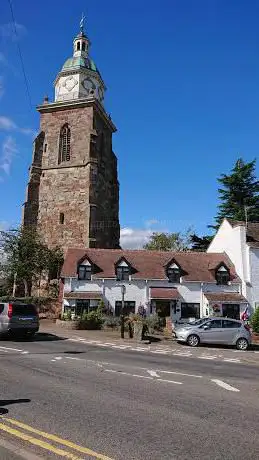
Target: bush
[111,322]
[92,320]
[153,323]
[255,321]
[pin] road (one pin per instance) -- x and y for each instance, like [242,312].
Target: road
[62,398]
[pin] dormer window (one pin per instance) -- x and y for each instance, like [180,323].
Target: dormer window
[85,272]
[222,275]
[173,273]
[122,273]
[123,270]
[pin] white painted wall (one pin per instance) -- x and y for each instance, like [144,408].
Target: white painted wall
[138,291]
[232,241]
[254,275]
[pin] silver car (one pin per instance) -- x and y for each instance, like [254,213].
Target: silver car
[18,319]
[224,331]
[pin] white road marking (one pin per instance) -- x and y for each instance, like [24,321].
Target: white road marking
[153,374]
[179,353]
[72,357]
[181,373]
[142,376]
[160,352]
[58,358]
[169,381]
[224,385]
[207,357]
[11,349]
[231,360]
[25,352]
[127,373]
[53,360]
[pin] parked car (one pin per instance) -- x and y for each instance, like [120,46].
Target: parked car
[18,319]
[180,324]
[224,331]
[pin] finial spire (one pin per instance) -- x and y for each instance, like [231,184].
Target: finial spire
[82,23]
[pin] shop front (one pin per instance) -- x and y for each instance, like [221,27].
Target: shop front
[226,304]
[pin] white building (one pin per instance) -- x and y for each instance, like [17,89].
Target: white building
[180,285]
[241,243]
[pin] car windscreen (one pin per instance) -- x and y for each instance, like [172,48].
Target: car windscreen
[24,309]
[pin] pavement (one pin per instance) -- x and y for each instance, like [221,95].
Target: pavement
[63,398]
[159,345]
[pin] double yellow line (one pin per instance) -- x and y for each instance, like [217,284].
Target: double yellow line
[9,423]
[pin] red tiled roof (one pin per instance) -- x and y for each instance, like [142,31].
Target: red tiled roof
[82,295]
[252,231]
[196,266]
[225,297]
[164,293]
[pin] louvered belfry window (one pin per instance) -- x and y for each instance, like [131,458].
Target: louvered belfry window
[64,144]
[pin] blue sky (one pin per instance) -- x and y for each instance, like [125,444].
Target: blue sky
[183,90]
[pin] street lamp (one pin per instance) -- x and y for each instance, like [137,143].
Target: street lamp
[123,291]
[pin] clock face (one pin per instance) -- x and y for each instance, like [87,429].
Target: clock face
[89,86]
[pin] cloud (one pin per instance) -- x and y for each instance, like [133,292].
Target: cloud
[9,150]
[134,238]
[12,31]
[7,124]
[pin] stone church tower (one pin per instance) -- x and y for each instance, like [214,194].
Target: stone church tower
[73,191]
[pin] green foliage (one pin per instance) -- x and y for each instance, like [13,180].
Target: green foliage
[111,322]
[27,258]
[169,241]
[153,323]
[200,244]
[239,192]
[255,321]
[92,320]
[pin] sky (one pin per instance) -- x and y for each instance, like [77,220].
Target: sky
[182,81]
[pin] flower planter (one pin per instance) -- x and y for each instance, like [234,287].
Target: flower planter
[138,326]
[70,325]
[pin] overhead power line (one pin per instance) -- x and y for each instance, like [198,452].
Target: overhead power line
[20,54]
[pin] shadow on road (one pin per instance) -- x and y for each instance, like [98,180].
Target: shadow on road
[39,337]
[7,402]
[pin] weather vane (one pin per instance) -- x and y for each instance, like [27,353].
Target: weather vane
[82,23]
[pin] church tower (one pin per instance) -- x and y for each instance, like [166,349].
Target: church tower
[73,191]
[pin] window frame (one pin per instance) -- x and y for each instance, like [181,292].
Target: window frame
[64,144]
[193,304]
[128,305]
[125,273]
[173,275]
[219,275]
[87,269]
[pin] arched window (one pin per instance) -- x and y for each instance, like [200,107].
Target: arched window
[78,46]
[64,144]
[83,46]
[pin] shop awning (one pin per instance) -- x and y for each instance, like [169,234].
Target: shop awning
[83,295]
[164,293]
[231,297]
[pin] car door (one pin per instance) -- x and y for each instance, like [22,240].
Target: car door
[230,331]
[211,331]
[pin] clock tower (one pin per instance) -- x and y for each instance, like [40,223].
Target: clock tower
[72,196]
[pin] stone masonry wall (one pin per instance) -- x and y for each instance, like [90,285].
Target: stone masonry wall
[75,203]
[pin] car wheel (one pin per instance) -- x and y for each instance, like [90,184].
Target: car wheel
[193,340]
[242,344]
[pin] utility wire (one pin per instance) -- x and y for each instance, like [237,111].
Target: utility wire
[20,55]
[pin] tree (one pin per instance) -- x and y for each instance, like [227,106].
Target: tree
[200,244]
[239,194]
[168,242]
[255,321]
[26,258]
